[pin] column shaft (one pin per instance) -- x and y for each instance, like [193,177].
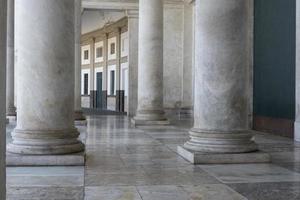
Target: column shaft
[3,7]
[46,79]
[150,72]
[78,110]
[297,84]
[133,31]
[10,64]
[221,78]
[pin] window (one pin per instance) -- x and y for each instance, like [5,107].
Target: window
[99,52]
[112,82]
[125,81]
[86,55]
[112,48]
[86,84]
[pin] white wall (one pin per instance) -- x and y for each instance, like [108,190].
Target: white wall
[96,19]
[124,44]
[124,78]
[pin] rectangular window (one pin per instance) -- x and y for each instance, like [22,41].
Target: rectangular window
[112,82]
[112,48]
[86,84]
[99,52]
[86,55]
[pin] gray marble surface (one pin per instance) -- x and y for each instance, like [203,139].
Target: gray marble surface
[265,191]
[3,17]
[136,164]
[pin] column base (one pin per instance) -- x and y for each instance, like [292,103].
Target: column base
[11,118]
[77,159]
[11,112]
[139,122]
[297,131]
[217,158]
[80,123]
[80,119]
[52,142]
[185,112]
[46,149]
[150,118]
[78,116]
[221,141]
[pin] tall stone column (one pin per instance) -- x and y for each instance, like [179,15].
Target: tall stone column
[10,64]
[297,86]
[79,117]
[221,78]
[3,8]
[45,88]
[150,73]
[133,32]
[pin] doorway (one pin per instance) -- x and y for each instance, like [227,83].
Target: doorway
[99,90]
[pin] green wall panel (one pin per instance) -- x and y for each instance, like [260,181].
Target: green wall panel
[274,58]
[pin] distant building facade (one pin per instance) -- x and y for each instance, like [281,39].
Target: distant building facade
[104,59]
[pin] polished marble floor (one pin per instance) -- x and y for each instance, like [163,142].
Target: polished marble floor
[125,163]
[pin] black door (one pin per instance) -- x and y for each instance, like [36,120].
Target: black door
[99,90]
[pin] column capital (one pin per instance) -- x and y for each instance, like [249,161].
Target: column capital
[133,13]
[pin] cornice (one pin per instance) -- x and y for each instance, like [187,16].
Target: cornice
[122,5]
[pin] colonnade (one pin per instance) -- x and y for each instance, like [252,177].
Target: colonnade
[46,57]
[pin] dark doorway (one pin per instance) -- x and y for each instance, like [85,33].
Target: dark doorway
[99,90]
[274,66]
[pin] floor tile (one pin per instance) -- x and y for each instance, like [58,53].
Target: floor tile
[111,193]
[45,193]
[266,191]
[142,164]
[212,192]
[290,166]
[282,157]
[162,192]
[251,173]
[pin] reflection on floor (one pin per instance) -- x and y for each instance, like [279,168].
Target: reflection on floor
[125,163]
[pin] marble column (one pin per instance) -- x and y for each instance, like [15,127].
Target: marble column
[45,40]
[78,111]
[221,82]
[10,72]
[297,120]
[133,31]
[3,9]
[186,109]
[150,73]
